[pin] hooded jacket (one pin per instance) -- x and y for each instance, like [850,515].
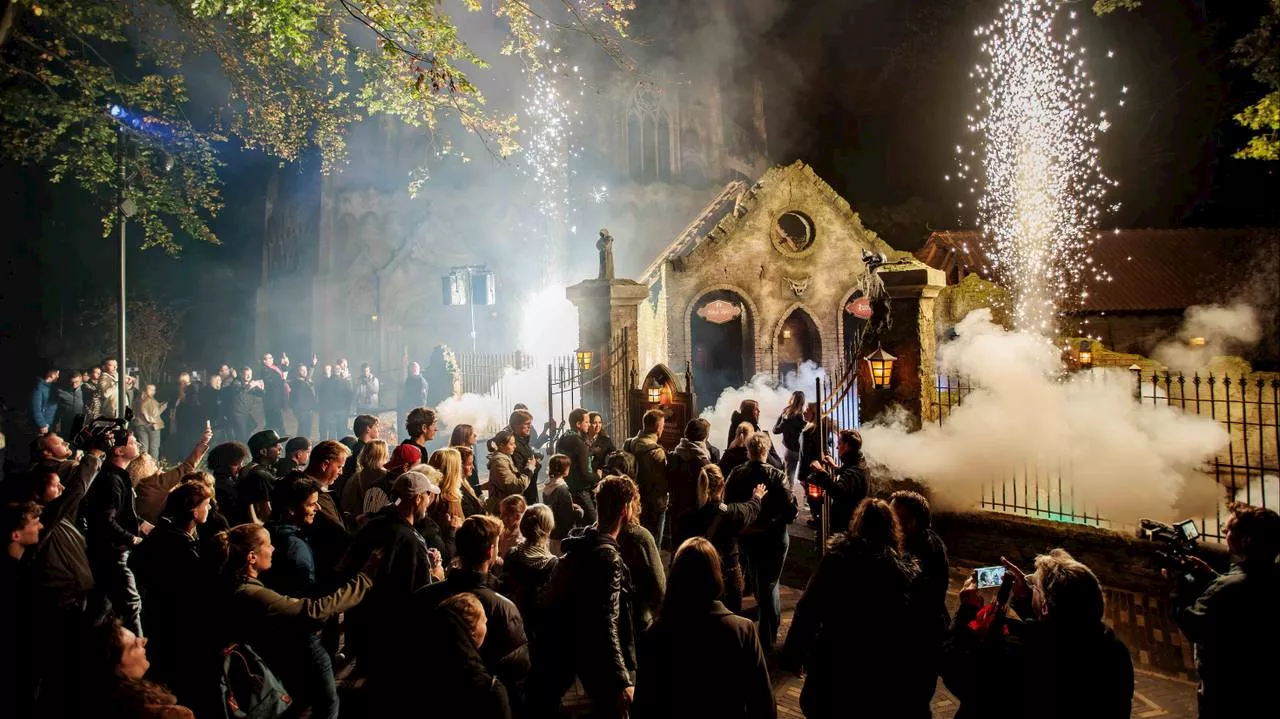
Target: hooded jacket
[506,647]
[525,571]
[588,605]
[651,471]
[684,466]
[504,480]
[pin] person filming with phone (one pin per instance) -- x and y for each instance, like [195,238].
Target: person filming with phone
[994,663]
[1231,618]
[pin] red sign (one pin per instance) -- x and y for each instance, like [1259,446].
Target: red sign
[720,312]
[860,308]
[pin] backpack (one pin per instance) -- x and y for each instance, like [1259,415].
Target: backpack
[250,690]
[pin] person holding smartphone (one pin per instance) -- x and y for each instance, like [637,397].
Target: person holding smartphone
[993,663]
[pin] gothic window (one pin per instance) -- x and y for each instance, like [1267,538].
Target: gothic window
[648,135]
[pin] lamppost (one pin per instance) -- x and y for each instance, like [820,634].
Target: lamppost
[128,124]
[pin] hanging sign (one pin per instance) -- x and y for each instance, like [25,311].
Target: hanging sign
[860,308]
[719,312]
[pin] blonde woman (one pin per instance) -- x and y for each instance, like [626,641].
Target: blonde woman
[371,466]
[447,509]
[736,454]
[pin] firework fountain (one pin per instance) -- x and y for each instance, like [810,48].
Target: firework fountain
[1040,191]
[1039,184]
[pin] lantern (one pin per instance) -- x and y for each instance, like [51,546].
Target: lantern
[1085,355]
[654,394]
[584,359]
[881,365]
[814,491]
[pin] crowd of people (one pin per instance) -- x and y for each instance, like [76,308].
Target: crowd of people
[241,580]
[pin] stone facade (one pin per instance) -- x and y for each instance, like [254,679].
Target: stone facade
[740,255]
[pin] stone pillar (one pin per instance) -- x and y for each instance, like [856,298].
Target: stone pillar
[605,308]
[911,337]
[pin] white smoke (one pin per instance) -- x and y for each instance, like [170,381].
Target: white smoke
[549,324]
[1122,459]
[1209,331]
[763,388]
[489,412]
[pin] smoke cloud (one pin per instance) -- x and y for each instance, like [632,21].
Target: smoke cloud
[1209,331]
[763,388]
[1122,459]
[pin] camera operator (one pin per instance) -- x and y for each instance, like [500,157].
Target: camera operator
[994,665]
[1232,618]
[114,529]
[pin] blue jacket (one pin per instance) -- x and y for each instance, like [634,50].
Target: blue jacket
[43,404]
[293,568]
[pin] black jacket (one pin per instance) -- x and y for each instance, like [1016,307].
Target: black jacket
[302,398]
[847,632]
[1235,628]
[506,647]
[275,394]
[999,676]
[721,524]
[778,508]
[573,446]
[702,664]
[588,604]
[113,521]
[684,467]
[413,394]
[600,447]
[847,489]
[448,656]
[790,429]
[525,572]
[176,585]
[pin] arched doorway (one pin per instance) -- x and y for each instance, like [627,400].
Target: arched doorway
[720,338]
[798,341]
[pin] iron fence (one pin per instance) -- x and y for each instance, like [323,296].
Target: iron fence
[1246,470]
[482,373]
[603,385]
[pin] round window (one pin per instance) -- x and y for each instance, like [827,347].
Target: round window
[793,233]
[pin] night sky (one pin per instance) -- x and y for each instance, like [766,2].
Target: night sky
[872,93]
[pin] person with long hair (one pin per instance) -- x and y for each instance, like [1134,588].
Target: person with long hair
[848,628]
[699,659]
[111,679]
[174,580]
[447,509]
[371,467]
[279,627]
[736,453]
[527,567]
[790,424]
[505,478]
[464,435]
[721,524]
[471,502]
[813,447]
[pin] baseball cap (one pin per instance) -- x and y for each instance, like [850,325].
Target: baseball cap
[411,484]
[261,440]
[405,455]
[297,444]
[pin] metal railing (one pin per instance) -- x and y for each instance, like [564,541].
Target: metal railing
[1246,470]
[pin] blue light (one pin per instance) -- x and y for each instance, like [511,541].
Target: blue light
[115,110]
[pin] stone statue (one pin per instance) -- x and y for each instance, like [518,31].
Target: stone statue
[605,246]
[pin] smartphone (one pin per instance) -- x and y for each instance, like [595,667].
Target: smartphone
[989,576]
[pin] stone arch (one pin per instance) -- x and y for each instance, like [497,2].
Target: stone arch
[813,343]
[710,343]
[846,324]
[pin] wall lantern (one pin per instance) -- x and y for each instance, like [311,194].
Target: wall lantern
[654,394]
[1197,342]
[1085,356]
[786,333]
[584,359]
[881,365]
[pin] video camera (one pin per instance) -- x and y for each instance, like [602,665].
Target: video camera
[1178,539]
[102,433]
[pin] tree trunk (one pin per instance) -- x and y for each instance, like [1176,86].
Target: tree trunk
[7,18]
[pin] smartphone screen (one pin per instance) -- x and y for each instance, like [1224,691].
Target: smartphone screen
[989,576]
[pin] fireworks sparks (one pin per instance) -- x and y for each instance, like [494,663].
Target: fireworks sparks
[1040,188]
[549,121]
[599,195]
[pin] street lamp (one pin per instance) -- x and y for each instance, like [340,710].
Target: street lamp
[881,365]
[584,359]
[654,393]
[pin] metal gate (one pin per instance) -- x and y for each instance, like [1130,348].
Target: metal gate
[837,410]
[598,381]
[482,373]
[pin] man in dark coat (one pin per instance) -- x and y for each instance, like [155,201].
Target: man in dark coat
[684,466]
[848,486]
[765,541]
[114,530]
[275,391]
[1232,619]
[1062,640]
[581,480]
[506,647]
[587,603]
[520,424]
[651,472]
[414,392]
[451,643]
[237,396]
[302,399]
[928,592]
[257,481]
[70,406]
[408,564]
